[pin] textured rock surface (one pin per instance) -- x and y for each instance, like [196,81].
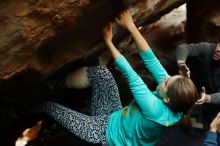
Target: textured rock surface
[203,20]
[39,37]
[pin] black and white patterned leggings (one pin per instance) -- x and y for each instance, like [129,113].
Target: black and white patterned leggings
[105,100]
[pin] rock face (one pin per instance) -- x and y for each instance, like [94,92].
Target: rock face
[39,37]
[203,21]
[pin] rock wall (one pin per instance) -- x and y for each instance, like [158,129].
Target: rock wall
[203,20]
[40,37]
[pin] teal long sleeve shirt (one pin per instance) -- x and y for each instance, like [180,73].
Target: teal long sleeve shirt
[142,122]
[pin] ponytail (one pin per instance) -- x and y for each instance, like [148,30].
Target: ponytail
[185,124]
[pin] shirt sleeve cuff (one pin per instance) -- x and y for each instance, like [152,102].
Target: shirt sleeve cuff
[146,53]
[212,135]
[123,64]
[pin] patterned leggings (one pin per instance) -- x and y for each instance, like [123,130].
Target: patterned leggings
[105,100]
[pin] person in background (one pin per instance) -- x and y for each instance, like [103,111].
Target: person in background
[205,73]
[208,73]
[143,121]
[211,135]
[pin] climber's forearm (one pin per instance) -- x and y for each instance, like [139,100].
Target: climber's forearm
[140,42]
[114,52]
